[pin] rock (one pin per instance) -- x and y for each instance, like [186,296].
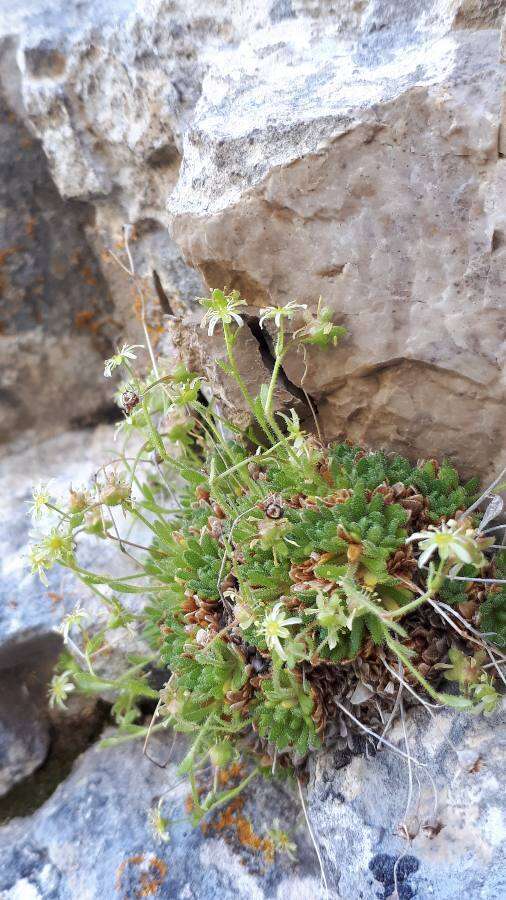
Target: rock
[105,91]
[355,156]
[456,850]
[93,839]
[56,307]
[29,611]
[24,730]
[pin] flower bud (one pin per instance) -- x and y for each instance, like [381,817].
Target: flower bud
[78,501]
[221,754]
[114,492]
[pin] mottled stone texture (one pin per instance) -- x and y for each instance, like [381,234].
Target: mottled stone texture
[24,727]
[359,162]
[457,847]
[350,150]
[55,308]
[93,839]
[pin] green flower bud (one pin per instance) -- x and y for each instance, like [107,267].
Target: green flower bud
[221,754]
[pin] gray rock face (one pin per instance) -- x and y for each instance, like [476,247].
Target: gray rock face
[28,610]
[55,308]
[353,150]
[24,732]
[456,849]
[93,839]
[93,85]
[358,160]
[348,150]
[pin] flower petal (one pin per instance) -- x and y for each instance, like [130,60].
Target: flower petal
[426,555]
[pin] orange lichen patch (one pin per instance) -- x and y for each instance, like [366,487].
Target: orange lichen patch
[140,876]
[9,251]
[30,226]
[86,318]
[88,276]
[155,328]
[234,772]
[232,820]
[83,318]
[227,818]
[54,597]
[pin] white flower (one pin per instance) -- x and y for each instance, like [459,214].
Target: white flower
[275,628]
[221,307]
[455,542]
[72,619]
[59,689]
[41,497]
[330,615]
[53,547]
[279,312]
[244,615]
[120,358]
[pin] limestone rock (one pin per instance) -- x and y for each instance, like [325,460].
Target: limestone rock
[100,92]
[185,342]
[24,729]
[28,610]
[355,157]
[55,307]
[93,839]
[456,850]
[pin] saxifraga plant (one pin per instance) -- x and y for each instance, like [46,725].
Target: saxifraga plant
[297,591]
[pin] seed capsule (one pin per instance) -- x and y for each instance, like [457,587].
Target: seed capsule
[129,400]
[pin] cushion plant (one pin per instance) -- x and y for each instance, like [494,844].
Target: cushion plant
[296,590]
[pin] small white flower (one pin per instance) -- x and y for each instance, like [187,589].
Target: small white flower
[275,628]
[59,689]
[41,495]
[455,542]
[74,618]
[221,307]
[280,312]
[119,358]
[53,547]
[330,615]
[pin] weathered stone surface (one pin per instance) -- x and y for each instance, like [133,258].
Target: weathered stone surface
[358,160]
[28,610]
[183,341]
[92,839]
[24,731]
[107,89]
[100,91]
[357,810]
[55,308]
